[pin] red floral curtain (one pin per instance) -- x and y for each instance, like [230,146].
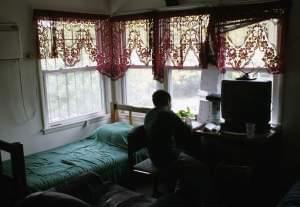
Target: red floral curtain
[139,41]
[180,41]
[113,58]
[104,42]
[241,39]
[65,42]
[247,43]
[253,46]
[161,47]
[187,34]
[122,44]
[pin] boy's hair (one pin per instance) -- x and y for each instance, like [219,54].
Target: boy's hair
[161,98]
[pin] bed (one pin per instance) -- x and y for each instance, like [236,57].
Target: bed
[99,152]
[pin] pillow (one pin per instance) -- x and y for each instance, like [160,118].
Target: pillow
[114,134]
[51,199]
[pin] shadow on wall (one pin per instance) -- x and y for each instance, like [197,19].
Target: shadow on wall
[18,92]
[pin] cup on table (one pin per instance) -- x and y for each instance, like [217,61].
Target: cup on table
[250,130]
[188,121]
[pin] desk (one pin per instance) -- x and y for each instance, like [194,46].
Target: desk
[242,168]
[232,148]
[236,137]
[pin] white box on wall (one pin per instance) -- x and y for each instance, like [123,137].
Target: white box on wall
[10,43]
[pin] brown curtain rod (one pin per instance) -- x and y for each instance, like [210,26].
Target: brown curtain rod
[59,14]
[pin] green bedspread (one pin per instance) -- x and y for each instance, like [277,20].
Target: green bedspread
[49,168]
[104,152]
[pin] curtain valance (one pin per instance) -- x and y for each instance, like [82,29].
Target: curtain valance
[249,40]
[180,41]
[123,44]
[66,42]
[240,39]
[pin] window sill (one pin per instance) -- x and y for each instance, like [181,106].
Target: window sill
[80,123]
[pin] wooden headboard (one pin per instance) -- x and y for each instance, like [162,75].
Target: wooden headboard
[116,108]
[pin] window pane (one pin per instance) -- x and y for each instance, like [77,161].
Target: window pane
[139,87]
[69,44]
[185,87]
[73,94]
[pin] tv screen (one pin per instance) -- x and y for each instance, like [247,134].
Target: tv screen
[244,101]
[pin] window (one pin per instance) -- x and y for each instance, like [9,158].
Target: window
[183,84]
[138,83]
[254,49]
[187,35]
[185,88]
[73,89]
[72,94]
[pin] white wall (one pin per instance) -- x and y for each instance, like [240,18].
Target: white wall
[22,120]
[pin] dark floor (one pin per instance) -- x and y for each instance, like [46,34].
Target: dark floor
[144,184]
[230,190]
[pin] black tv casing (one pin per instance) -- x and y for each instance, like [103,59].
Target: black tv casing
[246,101]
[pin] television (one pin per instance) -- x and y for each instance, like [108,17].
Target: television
[246,101]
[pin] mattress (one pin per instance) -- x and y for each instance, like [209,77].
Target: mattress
[49,168]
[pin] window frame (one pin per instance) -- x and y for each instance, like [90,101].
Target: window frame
[82,120]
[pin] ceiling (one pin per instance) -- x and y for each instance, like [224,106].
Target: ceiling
[137,6]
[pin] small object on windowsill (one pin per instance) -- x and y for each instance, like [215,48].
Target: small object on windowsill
[188,121]
[213,97]
[245,77]
[250,130]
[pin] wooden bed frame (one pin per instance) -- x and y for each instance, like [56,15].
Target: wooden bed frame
[115,108]
[18,179]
